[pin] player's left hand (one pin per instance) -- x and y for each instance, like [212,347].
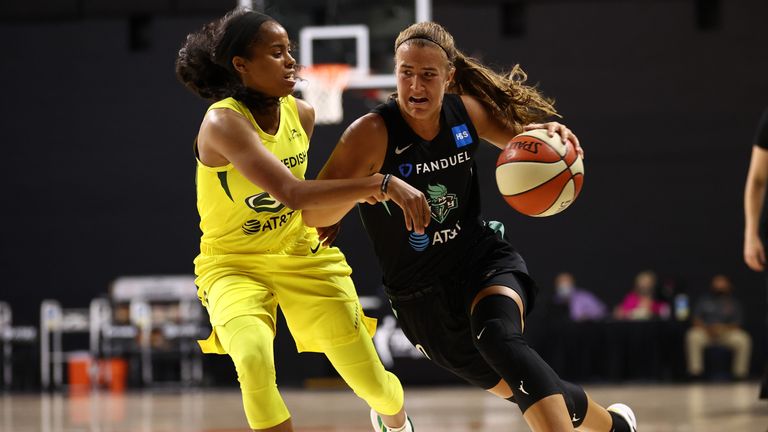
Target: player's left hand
[561,129]
[328,234]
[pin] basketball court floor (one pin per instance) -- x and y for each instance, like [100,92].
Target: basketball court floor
[673,408]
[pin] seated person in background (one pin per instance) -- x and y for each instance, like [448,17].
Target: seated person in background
[716,321]
[582,304]
[640,303]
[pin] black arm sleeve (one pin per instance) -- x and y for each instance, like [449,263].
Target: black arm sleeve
[761,137]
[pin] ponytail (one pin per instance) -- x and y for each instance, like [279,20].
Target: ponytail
[506,96]
[204,63]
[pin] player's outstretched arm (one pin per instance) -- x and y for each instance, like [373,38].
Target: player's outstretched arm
[226,136]
[360,153]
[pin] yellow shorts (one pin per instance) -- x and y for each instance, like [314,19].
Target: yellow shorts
[314,291]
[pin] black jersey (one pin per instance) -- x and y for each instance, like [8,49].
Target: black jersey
[444,170]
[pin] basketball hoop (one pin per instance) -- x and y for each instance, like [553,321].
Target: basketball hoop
[323,89]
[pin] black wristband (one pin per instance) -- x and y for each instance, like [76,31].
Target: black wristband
[385,182]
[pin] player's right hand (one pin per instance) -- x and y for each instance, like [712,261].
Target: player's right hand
[415,206]
[754,253]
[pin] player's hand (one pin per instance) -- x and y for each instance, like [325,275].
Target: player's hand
[415,207]
[328,234]
[754,253]
[561,129]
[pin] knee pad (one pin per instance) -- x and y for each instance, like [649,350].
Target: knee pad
[497,333]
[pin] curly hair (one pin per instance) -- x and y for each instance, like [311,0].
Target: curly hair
[505,95]
[204,63]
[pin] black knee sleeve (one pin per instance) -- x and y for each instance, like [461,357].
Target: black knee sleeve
[497,332]
[576,401]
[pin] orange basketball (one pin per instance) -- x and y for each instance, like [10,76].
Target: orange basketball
[539,175]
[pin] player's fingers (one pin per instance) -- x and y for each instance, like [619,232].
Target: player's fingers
[579,150]
[551,128]
[418,226]
[427,211]
[408,219]
[753,262]
[532,126]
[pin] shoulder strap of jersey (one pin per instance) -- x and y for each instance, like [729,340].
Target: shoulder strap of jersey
[397,129]
[456,113]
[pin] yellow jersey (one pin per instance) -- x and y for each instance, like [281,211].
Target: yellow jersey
[238,217]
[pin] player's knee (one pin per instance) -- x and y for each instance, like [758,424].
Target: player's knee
[497,333]
[497,330]
[498,341]
[254,365]
[382,392]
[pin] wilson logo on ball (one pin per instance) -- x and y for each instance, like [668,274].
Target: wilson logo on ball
[539,175]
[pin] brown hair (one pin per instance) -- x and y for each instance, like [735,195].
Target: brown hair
[505,95]
[204,63]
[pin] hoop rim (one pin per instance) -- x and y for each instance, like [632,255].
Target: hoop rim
[328,75]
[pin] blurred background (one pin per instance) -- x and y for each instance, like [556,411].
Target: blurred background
[98,184]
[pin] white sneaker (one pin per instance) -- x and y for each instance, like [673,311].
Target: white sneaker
[626,413]
[379,425]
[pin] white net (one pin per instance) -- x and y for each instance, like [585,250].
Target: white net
[325,84]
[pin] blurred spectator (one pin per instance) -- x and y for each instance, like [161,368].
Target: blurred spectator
[640,303]
[582,304]
[717,321]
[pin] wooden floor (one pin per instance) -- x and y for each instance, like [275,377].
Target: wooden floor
[679,408]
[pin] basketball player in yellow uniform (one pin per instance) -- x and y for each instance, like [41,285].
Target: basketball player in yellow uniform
[256,252]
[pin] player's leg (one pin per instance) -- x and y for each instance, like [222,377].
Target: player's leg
[321,308]
[696,339]
[248,341]
[359,365]
[595,419]
[242,312]
[547,403]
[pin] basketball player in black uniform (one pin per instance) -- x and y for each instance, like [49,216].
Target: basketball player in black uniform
[755,215]
[460,291]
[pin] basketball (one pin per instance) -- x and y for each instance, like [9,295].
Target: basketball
[539,175]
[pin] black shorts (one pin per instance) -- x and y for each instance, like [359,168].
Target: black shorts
[436,318]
